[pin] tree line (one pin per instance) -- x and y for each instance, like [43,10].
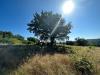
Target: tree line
[7,37]
[84,42]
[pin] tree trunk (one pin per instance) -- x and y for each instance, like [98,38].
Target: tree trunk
[52,40]
[3,34]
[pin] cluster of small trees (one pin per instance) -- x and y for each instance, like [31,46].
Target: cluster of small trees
[78,42]
[4,34]
[81,42]
[84,42]
[32,40]
[7,37]
[7,34]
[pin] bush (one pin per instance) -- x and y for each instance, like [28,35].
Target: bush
[81,42]
[63,49]
[70,42]
[84,67]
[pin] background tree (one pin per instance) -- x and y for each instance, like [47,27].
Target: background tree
[7,37]
[70,42]
[19,37]
[5,34]
[43,25]
[81,42]
[32,40]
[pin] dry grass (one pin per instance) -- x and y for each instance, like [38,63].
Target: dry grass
[46,65]
[90,53]
[60,64]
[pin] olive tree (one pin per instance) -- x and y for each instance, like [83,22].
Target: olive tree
[49,26]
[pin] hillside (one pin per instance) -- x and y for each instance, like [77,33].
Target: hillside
[7,37]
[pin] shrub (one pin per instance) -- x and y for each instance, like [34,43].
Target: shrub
[63,49]
[84,67]
[81,42]
[70,42]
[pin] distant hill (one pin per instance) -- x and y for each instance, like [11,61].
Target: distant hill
[7,37]
[95,42]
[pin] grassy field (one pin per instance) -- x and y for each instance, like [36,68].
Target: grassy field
[55,64]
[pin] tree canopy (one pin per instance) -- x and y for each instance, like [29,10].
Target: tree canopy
[48,25]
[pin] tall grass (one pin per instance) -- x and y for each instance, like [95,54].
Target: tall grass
[46,65]
[55,64]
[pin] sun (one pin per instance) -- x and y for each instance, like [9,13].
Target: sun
[68,7]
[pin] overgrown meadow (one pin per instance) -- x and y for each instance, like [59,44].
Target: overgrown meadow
[37,60]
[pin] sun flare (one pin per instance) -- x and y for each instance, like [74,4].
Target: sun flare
[68,7]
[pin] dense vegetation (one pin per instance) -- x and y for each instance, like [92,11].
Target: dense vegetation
[84,42]
[31,60]
[8,38]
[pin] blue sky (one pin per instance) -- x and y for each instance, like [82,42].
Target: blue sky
[16,14]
